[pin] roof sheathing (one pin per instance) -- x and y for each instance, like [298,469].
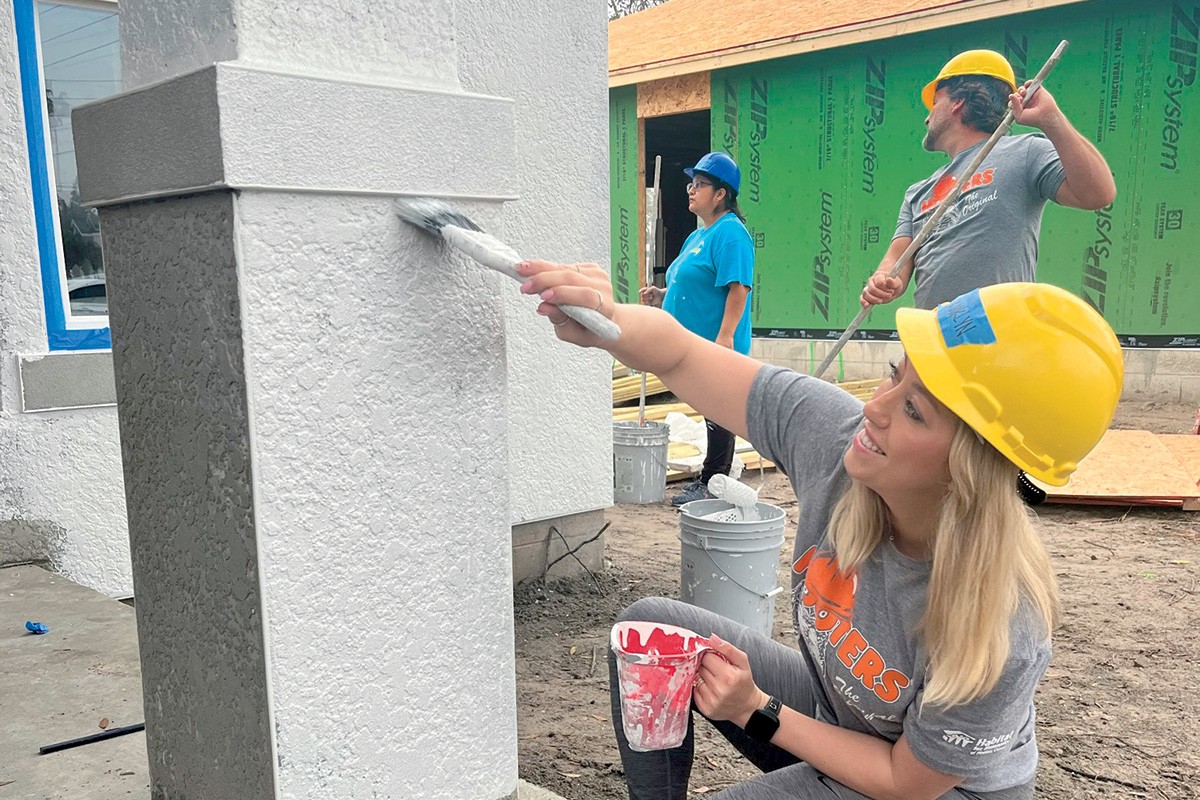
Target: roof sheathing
[686,36]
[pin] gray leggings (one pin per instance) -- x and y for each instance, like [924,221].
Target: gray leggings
[778,670]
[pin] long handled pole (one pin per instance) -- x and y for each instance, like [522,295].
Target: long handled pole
[92,737]
[651,248]
[931,224]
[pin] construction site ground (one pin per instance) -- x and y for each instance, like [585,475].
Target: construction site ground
[1117,710]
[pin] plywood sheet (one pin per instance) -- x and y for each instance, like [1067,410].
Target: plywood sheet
[1134,468]
[676,95]
[1186,450]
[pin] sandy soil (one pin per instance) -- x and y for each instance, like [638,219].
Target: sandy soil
[1117,710]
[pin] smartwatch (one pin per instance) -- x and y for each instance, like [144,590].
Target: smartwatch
[765,721]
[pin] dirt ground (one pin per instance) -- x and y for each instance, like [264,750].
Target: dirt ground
[1117,711]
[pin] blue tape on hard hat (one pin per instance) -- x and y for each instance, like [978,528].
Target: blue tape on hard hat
[964,321]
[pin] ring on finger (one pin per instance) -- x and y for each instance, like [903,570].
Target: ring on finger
[699,681]
[564,321]
[599,299]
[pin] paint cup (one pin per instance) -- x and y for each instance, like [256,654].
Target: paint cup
[656,666]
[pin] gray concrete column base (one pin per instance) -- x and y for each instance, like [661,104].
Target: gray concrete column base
[539,547]
[527,791]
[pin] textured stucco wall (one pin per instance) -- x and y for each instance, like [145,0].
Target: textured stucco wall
[61,494]
[376,371]
[384,40]
[316,423]
[317,434]
[552,62]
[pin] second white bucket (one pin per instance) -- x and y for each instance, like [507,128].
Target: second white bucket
[731,567]
[640,462]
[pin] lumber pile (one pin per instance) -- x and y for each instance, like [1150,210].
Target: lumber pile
[1136,468]
[626,386]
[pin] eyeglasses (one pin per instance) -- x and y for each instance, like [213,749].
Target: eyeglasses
[696,186]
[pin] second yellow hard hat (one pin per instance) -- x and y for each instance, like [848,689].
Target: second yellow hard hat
[972,62]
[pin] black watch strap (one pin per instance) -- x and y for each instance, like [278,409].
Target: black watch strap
[765,721]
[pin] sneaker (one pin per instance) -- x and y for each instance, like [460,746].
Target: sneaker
[693,491]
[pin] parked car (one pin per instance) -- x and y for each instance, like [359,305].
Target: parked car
[88,295]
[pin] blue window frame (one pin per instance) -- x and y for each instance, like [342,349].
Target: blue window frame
[68,54]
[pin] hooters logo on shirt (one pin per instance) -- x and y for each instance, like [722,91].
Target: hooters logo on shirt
[946,185]
[827,604]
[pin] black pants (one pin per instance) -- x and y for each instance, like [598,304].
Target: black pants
[719,457]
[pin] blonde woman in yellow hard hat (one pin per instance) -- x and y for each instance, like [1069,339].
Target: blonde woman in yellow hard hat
[990,234]
[923,597]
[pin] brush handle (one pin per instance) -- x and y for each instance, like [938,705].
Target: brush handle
[495,254]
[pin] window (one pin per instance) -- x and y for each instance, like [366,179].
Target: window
[69,54]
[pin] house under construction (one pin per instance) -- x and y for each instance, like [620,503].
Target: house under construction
[819,103]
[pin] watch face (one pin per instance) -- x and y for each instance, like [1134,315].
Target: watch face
[765,721]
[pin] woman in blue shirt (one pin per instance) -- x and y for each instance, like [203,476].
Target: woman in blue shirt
[708,288]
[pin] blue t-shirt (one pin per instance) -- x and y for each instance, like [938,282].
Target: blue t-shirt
[698,279]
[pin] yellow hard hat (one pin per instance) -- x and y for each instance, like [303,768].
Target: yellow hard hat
[1030,367]
[972,62]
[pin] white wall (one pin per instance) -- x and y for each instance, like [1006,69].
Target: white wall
[315,411]
[554,65]
[61,495]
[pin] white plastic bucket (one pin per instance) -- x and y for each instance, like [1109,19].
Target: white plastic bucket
[731,566]
[639,462]
[656,667]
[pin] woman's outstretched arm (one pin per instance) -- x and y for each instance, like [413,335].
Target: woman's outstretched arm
[714,380]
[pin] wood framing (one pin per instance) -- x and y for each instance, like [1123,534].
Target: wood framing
[676,95]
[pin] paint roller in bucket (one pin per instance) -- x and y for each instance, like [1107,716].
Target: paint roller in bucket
[656,668]
[743,498]
[439,218]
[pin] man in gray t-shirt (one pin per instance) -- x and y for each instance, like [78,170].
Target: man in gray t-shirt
[990,234]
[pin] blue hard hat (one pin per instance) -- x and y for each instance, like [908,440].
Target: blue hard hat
[721,167]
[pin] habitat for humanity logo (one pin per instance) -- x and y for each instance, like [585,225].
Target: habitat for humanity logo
[978,747]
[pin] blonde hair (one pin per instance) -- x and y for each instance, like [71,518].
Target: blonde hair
[987,557]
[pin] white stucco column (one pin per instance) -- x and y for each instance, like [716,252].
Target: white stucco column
[312,399]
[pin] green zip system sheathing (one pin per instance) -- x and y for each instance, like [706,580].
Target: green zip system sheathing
[829,141]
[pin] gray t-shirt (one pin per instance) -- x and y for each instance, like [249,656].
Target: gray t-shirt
[858,633]
[990,234]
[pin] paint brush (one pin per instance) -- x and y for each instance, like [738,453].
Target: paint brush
[442,220]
